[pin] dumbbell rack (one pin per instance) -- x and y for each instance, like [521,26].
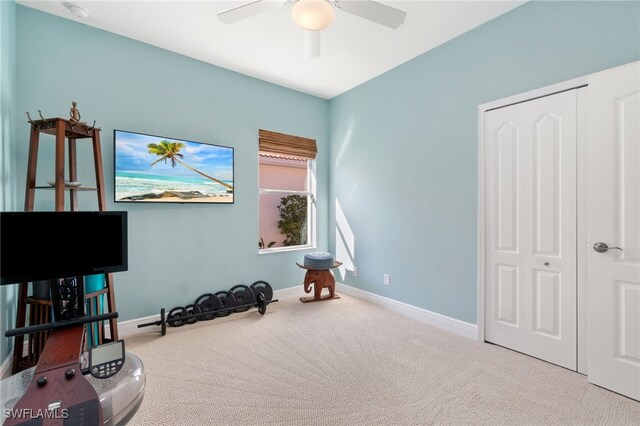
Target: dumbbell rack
[208,306]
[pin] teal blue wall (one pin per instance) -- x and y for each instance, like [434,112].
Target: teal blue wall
[404,145]
[7,161]
[176,252]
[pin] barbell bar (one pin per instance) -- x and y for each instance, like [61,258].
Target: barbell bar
[260,303]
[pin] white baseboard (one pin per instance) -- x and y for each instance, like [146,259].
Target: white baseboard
[444,322]
[289,293]
[5,369]
[462,328]
[130,327]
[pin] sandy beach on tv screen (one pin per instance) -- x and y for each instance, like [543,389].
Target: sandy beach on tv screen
[222,199]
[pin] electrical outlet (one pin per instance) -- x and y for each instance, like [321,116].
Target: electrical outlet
[386,279]
[354,271]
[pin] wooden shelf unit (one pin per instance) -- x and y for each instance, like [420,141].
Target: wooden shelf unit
[63,130]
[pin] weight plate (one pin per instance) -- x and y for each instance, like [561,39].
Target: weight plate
[264,287]
[173,319]
[192,310]
[244,296]
[261,301]
[227,300]
[208,302]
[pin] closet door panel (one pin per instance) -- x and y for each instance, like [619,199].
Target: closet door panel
[547,304]
[614,219]
[505,259]
[547,143]
[530,227]
[507,188]
[553,136]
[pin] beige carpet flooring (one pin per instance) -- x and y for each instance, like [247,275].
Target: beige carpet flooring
[347,362]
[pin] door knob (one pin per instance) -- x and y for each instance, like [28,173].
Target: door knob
[603,247]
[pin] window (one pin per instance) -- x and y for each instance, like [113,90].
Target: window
[287,192]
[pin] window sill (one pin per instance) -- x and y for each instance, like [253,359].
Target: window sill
[285,249]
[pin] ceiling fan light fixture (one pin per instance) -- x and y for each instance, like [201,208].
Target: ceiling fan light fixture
[312,15]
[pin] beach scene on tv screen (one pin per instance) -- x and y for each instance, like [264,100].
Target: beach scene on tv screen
[158,169]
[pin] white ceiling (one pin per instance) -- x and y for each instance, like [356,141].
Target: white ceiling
[270,47]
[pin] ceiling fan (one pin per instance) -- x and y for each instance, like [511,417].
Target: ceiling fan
[315,15]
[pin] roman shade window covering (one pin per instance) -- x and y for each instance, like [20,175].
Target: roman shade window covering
[280,144]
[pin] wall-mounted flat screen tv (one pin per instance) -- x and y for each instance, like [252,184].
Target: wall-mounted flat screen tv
[156,169]
[49,245]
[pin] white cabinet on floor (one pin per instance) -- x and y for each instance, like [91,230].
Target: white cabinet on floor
[559,226]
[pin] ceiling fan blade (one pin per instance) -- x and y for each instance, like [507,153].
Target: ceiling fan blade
[311,44]
[374,11]
[245,11]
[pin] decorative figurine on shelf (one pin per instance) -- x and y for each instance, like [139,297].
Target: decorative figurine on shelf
[74,113]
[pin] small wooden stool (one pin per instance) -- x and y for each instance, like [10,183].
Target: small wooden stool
[320,278]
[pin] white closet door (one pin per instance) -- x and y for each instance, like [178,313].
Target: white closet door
[531,228]
[614,219]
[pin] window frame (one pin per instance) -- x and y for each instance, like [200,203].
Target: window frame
[310,192]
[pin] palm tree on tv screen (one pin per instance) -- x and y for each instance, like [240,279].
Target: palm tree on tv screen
[171,151]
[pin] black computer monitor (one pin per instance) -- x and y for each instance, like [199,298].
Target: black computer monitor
[49,245]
